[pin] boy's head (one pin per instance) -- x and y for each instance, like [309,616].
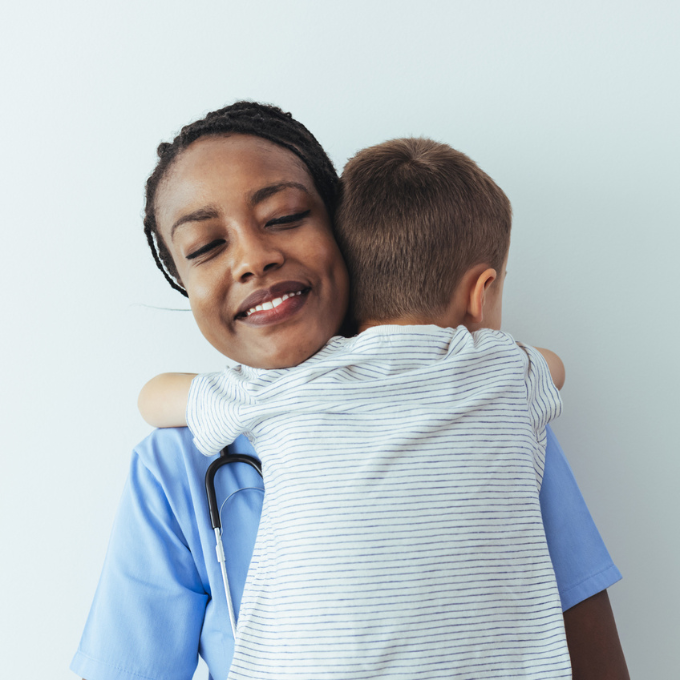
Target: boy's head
[415,217]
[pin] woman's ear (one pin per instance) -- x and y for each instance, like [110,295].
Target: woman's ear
[478,290]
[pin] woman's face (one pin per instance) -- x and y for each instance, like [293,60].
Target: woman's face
[253,246]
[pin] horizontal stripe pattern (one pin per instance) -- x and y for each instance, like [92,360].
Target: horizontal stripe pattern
[401,534]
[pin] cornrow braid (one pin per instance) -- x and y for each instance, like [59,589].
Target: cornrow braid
[248,118]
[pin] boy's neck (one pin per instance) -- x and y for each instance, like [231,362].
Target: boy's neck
[473,304]
[443,320]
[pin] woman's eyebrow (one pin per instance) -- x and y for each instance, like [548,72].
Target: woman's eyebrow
[200,215]
[264,193]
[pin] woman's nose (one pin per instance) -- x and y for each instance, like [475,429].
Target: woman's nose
[256,256]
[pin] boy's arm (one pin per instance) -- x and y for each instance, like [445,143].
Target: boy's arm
[163,400]
[555,365]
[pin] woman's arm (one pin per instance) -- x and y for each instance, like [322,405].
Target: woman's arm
[163,400]
[594,645]
[149,608]
[161,595]
[584,570]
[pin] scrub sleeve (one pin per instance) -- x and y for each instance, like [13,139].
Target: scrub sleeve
[581,561]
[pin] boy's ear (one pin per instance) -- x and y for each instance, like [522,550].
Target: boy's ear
[479,288]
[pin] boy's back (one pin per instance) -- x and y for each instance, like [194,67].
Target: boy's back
[419,555]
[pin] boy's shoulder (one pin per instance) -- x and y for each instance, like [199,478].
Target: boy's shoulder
[444,340]
[378,353]
[407,346]
[373,344]
[422,332]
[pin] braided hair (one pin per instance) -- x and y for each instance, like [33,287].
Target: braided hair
[248,118]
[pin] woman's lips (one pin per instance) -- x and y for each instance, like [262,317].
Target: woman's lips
[277,290]
[270,304]
[275,310]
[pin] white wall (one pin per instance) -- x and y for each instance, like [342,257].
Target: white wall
[572,107]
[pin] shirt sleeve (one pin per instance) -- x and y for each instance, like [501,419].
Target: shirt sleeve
[545,403]
[146,617]
[212,411]
[580,558]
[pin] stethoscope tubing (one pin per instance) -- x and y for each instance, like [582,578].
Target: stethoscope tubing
[225,458]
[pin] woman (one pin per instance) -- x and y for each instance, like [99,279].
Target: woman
[161,599]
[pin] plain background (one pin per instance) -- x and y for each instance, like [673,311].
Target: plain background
[572,107]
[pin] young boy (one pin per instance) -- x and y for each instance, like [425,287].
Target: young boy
[423,556]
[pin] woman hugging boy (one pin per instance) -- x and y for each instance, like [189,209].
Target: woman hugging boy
[423,551]
[401,533]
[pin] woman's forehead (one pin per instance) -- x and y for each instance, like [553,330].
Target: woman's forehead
[237,156]
[232,167]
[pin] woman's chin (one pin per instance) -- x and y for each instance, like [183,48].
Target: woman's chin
[289,356]
[270,350]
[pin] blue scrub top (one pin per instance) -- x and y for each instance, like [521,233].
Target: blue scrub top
[160,599]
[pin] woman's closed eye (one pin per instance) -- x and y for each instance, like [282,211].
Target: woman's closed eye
[288,219]
[284,221]
[205,249]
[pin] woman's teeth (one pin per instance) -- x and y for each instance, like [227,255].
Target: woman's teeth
[272,303]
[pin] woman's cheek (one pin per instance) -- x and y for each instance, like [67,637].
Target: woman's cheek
[335,264]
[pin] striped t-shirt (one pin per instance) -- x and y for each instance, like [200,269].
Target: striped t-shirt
[401,532]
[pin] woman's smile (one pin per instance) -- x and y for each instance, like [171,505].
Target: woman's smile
[273,305]
[252,242]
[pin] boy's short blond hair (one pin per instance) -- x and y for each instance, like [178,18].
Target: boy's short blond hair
[414,216]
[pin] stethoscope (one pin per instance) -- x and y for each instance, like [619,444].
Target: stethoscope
[224,459]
